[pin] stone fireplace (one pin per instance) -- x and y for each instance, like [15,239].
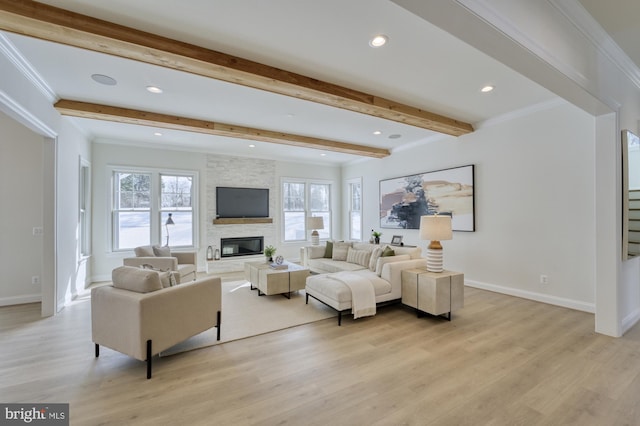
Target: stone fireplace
[242,246]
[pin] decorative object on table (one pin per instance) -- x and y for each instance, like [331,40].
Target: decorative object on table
[435,228]
[216,255]
[315,223]
[396,240]
[279,266]
[209,253]
[404,200]
[166,225]
[376,236]
[269,251]
[279,260]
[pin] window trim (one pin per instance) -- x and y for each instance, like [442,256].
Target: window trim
[155,208]
[84,209]
[307,211]
[350,210]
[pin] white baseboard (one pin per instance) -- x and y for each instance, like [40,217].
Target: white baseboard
[20,300]
[630,320]
[538,297]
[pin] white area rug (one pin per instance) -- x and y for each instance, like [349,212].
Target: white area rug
[245,314]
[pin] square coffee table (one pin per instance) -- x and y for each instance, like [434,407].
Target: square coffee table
[269,281]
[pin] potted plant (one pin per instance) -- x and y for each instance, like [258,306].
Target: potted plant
[269,251]
[376,236]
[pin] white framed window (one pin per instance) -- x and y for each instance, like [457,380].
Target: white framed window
[354,188]
[300,199]
[142,202]
[84,208]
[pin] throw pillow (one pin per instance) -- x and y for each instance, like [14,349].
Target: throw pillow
[168,279]
[136,279]
[162,251]
[328,250]
[144,251]
[373,260]
[340,251]
[388,251]
[359,257]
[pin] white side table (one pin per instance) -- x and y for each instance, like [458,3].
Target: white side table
[435,293]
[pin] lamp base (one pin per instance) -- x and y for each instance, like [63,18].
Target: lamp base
[315,238]
[434,260]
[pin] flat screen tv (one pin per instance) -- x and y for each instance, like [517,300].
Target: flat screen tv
[241,202]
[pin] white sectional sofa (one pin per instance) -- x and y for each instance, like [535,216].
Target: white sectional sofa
[362,262]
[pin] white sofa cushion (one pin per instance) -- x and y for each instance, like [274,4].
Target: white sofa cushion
[335,290]
[328,265]
[389,259]
[340,250]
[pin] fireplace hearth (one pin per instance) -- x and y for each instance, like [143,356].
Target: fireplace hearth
[242,246]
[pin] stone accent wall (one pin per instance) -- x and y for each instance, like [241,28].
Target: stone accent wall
[246,173]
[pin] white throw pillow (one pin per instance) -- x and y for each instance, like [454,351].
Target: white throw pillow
[373,260]
[136,279]
[359,257]
[161,251]
[340,250]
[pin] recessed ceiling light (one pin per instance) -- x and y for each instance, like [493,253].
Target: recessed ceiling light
[487,89]
[154,89]
[104,79]
[157,134]
[379,40]
[377,132]
[395,136]
[252,146]
[323,154]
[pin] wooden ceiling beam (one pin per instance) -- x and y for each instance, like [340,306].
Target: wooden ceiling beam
[151,119]
[62,26]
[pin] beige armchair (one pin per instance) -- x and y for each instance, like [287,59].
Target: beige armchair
[138,317]
[182,263]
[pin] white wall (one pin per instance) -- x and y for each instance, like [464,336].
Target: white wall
[213,170]
[21,190]
[534,199]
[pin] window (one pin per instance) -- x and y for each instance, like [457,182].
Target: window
[143,201]
[301,199]
[355,208]
[84,205]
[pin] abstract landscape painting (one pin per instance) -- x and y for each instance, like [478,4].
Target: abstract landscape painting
[404,199]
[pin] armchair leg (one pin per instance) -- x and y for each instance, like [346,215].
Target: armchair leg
[97,350]
[148,359]
[218,324]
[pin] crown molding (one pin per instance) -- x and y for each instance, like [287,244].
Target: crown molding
[24,67]
[573,11]
[13,109]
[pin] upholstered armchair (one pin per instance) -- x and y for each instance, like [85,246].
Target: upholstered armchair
[183,264]
[139,316]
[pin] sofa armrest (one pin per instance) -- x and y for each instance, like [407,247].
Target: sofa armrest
[162,263]
[124,320]
[314,252]
[392,272]
[186,258]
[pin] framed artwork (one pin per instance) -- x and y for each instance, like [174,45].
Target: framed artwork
[403,200]
[396,240]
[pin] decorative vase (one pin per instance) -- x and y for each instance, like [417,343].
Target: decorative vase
[377,240]
[217,255]
[209,253]
[269,259]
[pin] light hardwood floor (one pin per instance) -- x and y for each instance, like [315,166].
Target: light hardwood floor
[501,361]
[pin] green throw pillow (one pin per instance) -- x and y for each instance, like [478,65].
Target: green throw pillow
[328,250]
[388,251]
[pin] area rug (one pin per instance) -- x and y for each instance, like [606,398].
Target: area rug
[245,314]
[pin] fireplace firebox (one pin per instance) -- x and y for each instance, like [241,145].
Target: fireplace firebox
[243,246]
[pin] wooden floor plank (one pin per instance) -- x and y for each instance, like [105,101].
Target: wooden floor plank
[502,360]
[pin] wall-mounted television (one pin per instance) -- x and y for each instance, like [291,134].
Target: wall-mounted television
[241,202]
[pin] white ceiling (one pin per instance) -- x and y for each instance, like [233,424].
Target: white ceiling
[421,66]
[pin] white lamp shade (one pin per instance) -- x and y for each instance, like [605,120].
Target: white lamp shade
[436,228]
[315,222]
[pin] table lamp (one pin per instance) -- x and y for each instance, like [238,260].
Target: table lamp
[315,223]
[166,225]
[435,228]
